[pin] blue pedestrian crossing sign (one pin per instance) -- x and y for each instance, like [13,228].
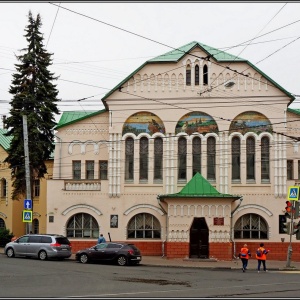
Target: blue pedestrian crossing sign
[27,216]
[28,204]
[293,193]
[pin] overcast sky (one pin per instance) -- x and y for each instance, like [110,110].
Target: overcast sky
[96,45]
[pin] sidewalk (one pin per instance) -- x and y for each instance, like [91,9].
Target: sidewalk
[234,264]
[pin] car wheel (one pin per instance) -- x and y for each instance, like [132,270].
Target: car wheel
[122,260]
[83,258]
[10,252]
[42,255]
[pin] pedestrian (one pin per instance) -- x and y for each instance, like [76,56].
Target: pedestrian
[244,256]
[101,239]
[261,256]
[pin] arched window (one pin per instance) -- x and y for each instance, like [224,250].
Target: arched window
[35,226]
[196,75]
[188,75]
[144,154]
[158,158]
[82,225]
[211,158]
[3,187]
[250,149]
[143,226]
[182,158]
[205,75]
[251,226]
[129,158]
[2,224]
[265,159]
[236,158]
[196,155]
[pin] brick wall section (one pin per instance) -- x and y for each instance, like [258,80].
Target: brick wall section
[220,251]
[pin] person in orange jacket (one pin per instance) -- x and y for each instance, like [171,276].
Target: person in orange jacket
[261,256]
[244,256]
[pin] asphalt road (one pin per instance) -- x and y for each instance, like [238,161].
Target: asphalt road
[29,278]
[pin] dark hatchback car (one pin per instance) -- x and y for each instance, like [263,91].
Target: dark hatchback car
[119,253]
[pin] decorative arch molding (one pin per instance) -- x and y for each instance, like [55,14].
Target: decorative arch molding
[127,135]
[235,134]
[36,214]
[254,206]
[269,135]
[131,209]
[252,134]
[3,215]
[66,211]
[143,134]
[83,146]
[213,135]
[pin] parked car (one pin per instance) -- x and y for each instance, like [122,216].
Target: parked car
[41,246]
[119,253]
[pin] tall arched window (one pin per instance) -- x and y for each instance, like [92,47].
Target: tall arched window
[211,158]
[250,154]
[236,158]
[3,187]
[82,225]
[196,155]
[143,226]
[251,226]
[158,158]
[144,155]
[35,226]
[129,158]
[205,75]
[2,224]
[188,75]
[182,158]
[196,75]
[265,159]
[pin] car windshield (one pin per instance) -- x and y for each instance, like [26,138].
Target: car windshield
[101,246]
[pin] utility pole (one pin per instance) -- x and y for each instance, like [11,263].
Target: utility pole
[290,250]
[27,168]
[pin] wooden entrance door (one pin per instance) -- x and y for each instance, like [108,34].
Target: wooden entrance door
[199,237]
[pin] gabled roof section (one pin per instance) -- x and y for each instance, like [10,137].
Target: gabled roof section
[294,111]
[218,55]
[4,140]
[71,117]
[198,187]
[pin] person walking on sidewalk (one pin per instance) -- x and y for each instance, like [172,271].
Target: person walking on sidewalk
[244,256]
[261,256]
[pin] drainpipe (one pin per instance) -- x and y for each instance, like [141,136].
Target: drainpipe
[231,229]
[163,243]
[59,167]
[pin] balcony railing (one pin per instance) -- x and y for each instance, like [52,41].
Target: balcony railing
[83,185]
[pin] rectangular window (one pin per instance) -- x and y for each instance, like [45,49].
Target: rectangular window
[36,188]
[76,164]
[298,169]
[3,188]
[103,169]
[290,170]
[90,165]
[188,77]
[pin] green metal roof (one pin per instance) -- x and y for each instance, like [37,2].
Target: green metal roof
[198,187]
[177,54]
[4,140]
[293,110]
[70,117]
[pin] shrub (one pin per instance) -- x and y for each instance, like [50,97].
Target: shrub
[5,236]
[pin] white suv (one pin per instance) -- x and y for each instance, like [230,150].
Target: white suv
[41,246]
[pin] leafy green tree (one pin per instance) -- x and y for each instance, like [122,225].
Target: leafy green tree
[35,95]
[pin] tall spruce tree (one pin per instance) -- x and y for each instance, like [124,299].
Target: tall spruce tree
[35,95]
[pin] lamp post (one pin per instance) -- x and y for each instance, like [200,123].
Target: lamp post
[27,169]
